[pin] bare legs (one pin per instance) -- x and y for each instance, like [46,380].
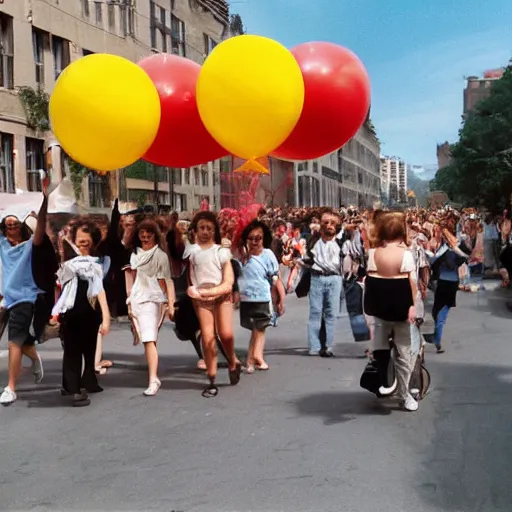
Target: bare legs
[218,318]
[256,348]
[152,359]
[16,354]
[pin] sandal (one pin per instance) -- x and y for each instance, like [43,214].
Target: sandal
[234,375]
[211,391]
[201,365]
[106,364]
[263,367]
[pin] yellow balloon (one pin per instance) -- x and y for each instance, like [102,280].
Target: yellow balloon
[250,95]
[105,111]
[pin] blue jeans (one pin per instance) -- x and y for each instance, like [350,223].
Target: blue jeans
[440,321]
[324,301]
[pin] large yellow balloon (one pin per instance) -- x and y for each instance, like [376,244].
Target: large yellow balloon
[250,94]
[105,111]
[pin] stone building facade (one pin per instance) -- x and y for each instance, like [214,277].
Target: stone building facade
[39,38]
[349,176]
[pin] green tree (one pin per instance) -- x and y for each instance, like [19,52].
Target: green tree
[236,25]
[481,171]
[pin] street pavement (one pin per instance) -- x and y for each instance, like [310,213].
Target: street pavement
[301,437]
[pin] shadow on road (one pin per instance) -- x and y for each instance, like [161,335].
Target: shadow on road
[465,465]
[351,350]
[337,408]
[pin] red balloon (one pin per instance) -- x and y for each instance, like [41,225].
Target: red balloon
[182,140]
[336,103]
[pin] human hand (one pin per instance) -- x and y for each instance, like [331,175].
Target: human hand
[105,327]
[193,292]
[45,182]
[280,309]
[412,315]
[226,243]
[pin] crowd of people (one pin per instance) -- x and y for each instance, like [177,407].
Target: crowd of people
[196,270]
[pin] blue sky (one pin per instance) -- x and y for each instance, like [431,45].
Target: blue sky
[417,53]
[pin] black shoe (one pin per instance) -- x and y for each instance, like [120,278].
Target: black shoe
[80,400]
[326,352]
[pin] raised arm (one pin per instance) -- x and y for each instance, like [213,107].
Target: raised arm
[41,216]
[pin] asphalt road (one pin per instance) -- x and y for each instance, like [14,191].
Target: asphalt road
[301,437]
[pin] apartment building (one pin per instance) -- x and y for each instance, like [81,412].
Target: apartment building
[349,176]
[394,179]
[39,38]
[479,88]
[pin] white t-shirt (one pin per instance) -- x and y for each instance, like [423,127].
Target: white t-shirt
[408,264]
[207,265]
[151,266]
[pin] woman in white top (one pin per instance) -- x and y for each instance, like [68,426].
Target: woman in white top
[150,292]
[211,280]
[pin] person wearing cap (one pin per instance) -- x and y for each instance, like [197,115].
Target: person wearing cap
[20,292]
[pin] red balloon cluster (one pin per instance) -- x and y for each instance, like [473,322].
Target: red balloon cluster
[336,103]
[182,140]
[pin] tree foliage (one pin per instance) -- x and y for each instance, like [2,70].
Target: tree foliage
[236,25]
[481,170]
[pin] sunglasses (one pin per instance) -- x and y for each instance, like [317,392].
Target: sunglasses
[254,238]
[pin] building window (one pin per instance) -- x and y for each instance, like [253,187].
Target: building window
[176,176]
[38,44]
[111,15]
[85,9]
[6,163]
[61,57]
[209,44]
[315,166]
[179,202]
[157,22]
[204,178]
[187,176]
[98,190]
[196,177]
[178,36]
[99,13]
[35,162]
[6,52]
[127,17]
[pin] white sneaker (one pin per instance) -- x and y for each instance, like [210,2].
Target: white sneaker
[410,404]
[153,388]
[37,369]
[8,396]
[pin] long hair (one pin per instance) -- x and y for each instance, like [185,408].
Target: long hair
[257,224]
[149,225]
[210,217]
